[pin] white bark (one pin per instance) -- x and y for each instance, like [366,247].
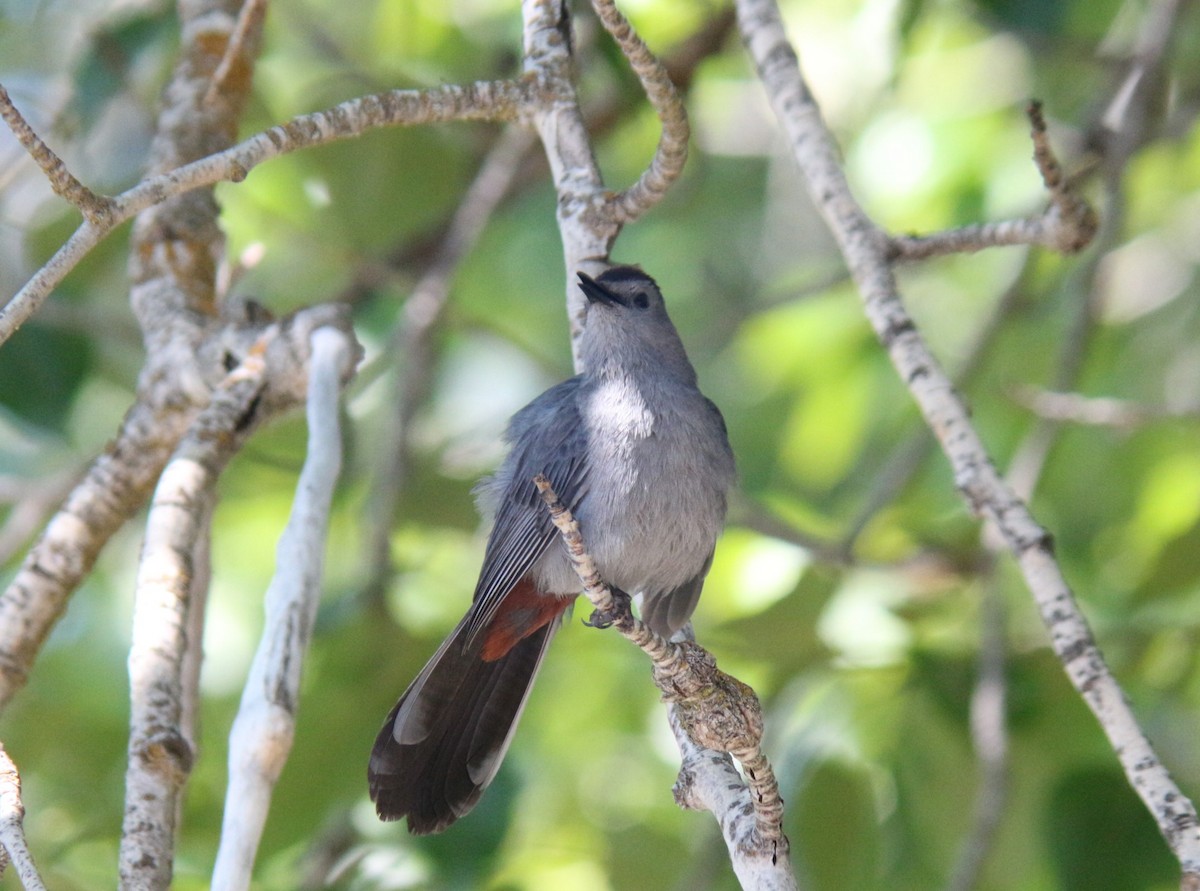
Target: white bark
[262,733]
[865,248]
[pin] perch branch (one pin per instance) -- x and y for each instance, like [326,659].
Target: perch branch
[867,253]
[718,711]
[262,733]
[708,781]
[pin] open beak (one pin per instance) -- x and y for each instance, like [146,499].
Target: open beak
[596,292]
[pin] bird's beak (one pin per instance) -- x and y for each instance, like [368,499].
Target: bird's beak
[596,292]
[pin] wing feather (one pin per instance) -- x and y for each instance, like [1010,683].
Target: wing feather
[548,437]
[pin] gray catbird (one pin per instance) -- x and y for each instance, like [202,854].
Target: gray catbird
[642,459]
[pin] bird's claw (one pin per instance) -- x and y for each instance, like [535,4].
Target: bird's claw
[606,618]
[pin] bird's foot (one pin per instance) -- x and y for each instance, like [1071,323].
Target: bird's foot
[605,618]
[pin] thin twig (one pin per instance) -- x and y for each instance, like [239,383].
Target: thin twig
[94,207]
[250,20]
[1073,222]
[671,153]
[1067,226]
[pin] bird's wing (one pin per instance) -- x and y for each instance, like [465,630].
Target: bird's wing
[548,437]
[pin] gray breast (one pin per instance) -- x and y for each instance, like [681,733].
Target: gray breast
[658,473]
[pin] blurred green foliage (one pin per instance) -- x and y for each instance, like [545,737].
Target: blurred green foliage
[865,659]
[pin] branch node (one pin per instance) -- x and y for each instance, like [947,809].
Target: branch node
[1071,221]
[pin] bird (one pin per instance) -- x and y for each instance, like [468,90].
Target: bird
[642,459]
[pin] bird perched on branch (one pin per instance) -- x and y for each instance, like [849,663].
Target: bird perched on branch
[642,459]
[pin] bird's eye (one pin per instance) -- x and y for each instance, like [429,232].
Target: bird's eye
[641,300]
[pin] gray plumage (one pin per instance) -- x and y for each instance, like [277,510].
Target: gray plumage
[642,459]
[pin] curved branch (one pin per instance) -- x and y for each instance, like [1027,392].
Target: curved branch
[94,207]
[671,153]
[1067,226]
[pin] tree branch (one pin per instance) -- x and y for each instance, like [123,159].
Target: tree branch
[671,153]
[867,253]
[494,101]
[12,829]
[262,733]
[1067,226]
[717,711]
[160,757]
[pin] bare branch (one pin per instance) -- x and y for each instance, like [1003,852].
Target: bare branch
[262,733]
[671,153]
[499,100]
[160,757]
[94,207]
[1097,411]
[240,47]
[718,711]
[1067,226]
[12,829]
[867,253]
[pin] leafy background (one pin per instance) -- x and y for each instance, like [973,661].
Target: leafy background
[858,620]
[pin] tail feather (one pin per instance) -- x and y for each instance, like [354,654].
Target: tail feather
[443,742]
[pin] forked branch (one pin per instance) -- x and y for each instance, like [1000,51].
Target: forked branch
[869,256]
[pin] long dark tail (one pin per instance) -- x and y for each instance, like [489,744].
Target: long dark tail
[444,741]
